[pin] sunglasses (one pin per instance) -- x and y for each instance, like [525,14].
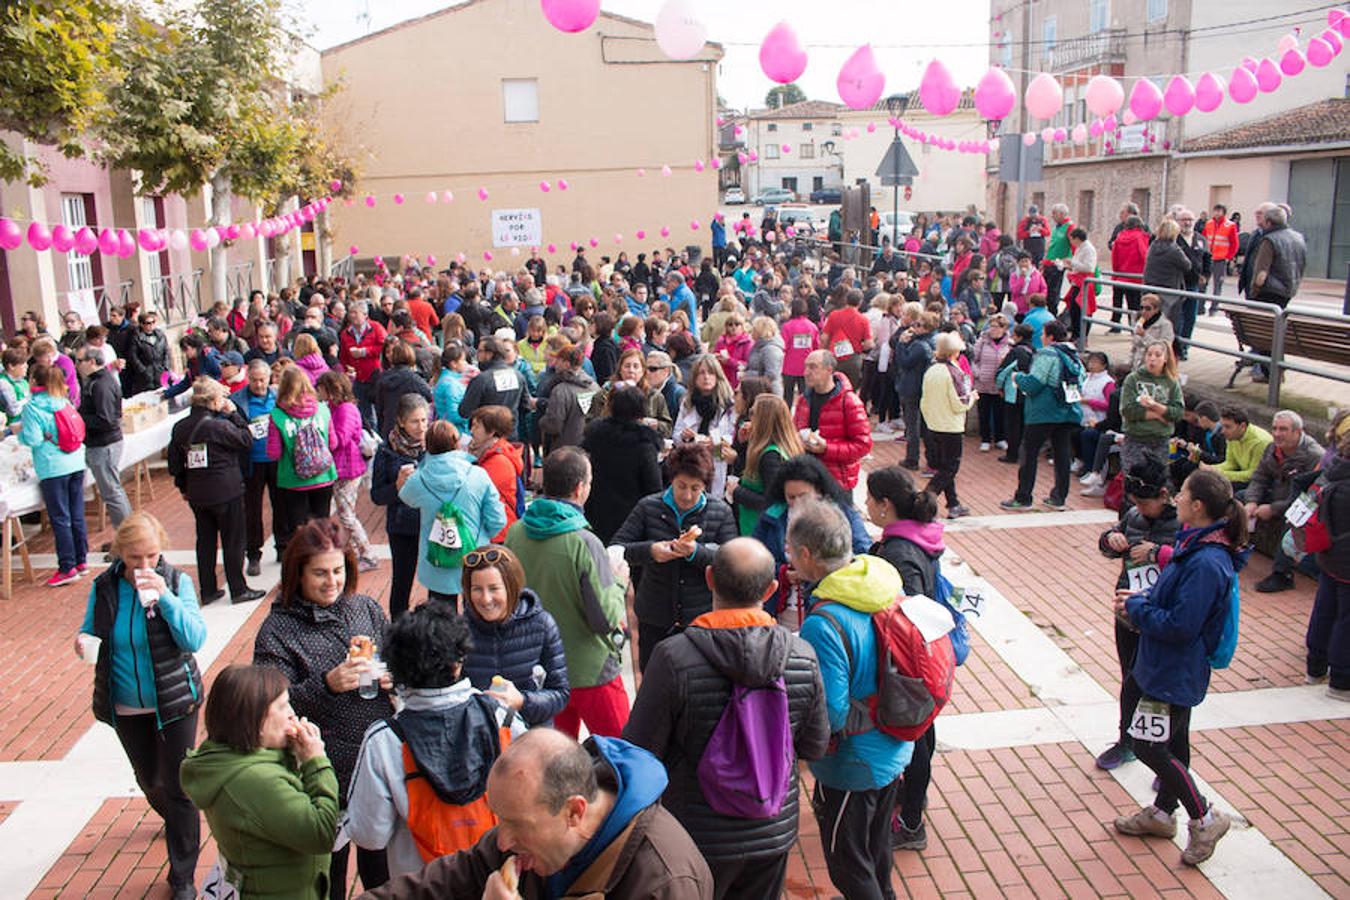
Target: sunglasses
[475,558]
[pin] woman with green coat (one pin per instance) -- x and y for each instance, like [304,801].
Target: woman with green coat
[266,787]
[1151,405]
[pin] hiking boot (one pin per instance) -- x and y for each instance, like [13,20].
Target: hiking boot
[1114,757]
[1275,582]
[1149,822]
[254,568]
[1203,837]
[905,838]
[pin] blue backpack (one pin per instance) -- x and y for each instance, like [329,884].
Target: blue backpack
[1222,654]
[960,635]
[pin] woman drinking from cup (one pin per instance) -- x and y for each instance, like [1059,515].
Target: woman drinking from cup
[321,634]
[143,614]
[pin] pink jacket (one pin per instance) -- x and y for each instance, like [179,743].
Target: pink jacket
[1021,288]
[346,434]
[800,337]
[738,352]
[313,366]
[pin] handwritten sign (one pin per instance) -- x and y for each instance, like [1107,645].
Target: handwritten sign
[517,228]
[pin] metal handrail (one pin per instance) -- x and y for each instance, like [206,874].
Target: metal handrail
[239,279]
[103,297]
[178,296]
[343,268]
[1279,315]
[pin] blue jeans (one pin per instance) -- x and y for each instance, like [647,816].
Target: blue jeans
[64,496]
[1190,306]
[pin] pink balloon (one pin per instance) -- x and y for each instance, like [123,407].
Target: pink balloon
[1209,91]
[786,148]
[552,248]
[715,162]
[1095,129]
[353,250]
[1287,43]
[126,244]
[995,95]
[860,82]
[335,185]
[431,196]
[754,156]
[482,193]
[63,239]
[1334,16]
[1268,76]
[11,235]
[1104,95]
[665,231]
[1145,100]
[86,241]
[1179,97]
[1292,62]
[398,199]
[641,173]
[781,55]
[460,257]
[1333,37]
[698,165]
[871,128]
[39,238]
[1048,134]
[1061,135]
[665,171]
[938,92]
[575,246]
[570,15]
[487,255]
[1029,139]
[1250,64]
[448,197]
[1242,88]
[742,157]
[248,231]
[108,246]
[1319,53]
[348,201]
[431,260]
[1044,96]
[595,242]
[545,186]
[693,226]
[370,200]
[770,236]
[1109,123]
[562,184]
[1129,118]
[1080,133]
[147,238]
[641,235]
[618,238]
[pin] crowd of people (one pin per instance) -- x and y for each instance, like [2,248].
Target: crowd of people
[553,444]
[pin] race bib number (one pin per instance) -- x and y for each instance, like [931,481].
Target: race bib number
[445,533]
[217,886]
[801,342]
[504,379]
[1141,578]
[1300,511]
[196,456]
[842,349]
[1071,393]
[258,428]
[1151,722]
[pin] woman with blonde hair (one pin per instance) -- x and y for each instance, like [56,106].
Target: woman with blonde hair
[144,620]
[60,471]
[301,438]
[1150,406]
[708,416]
[947,397]
[766,354]
[308,358]
[773,439]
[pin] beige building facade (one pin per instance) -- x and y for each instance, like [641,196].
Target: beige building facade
[486,94]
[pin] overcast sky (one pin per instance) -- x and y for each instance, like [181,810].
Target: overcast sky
[904,41]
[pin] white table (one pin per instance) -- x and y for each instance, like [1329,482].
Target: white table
[26,497]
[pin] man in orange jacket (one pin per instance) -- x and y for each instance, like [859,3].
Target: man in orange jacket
[1222,237]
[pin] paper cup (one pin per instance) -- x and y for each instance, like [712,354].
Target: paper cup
[89,648]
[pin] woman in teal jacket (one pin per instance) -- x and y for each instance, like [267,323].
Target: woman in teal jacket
[1051,412]
[60,473]
[447,474]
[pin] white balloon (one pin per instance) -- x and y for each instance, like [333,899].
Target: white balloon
[679,33]
[178,240]
[212,238]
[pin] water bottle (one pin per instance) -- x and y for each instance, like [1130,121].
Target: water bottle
[369,686]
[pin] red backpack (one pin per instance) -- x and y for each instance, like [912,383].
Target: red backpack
[914,676]
[69,429]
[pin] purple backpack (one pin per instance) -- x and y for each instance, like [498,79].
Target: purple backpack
[747,765]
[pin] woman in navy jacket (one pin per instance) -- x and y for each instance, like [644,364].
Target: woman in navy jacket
[1180,621]
[405,447]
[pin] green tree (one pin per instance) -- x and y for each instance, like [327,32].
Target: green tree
[56,63]
[784,95]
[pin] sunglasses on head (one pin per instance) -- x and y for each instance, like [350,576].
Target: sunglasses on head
[475,558]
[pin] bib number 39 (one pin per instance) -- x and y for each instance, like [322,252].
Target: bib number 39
[1151,722]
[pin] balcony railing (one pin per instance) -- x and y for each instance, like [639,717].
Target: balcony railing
[344,268]
[239,280]
[1097,49]
[102,297]
[177,296]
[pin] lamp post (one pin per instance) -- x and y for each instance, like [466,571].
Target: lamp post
[896,104]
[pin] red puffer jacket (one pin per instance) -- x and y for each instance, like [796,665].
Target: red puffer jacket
[504,464]
[845,428]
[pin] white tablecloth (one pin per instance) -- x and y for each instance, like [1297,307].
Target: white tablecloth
[26,497]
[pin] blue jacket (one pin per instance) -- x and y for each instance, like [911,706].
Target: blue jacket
[252,408]
[452,476]
[684,298]
[208,364]
[719,233]
[38,431]
[1045,400]
[911,362]
[771,530]
[1181,617]
[871,759]
[445,398]
[512,649]
[399,518]
[1036,317]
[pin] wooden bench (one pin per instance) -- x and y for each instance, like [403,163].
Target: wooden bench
[1307,337]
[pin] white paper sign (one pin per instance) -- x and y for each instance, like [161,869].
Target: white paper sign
[517,228]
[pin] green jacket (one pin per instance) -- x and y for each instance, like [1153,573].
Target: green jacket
[568,568]
[1058,247]
[273,822]
[1244,454]
[1162,388]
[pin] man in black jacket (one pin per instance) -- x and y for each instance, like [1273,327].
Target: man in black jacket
[497,383]
[204,460]
[686,688]
[101,409]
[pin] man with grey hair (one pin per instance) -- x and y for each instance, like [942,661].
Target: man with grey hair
[1126,210]
[680,297]
[1277,263]
[255,401]
[856,783]
[1270,492]
[839,430]
[359,347]
[1058,255]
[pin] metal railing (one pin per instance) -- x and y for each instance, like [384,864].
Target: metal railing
[239,279]
[177,296]
[105,297]
[1100,48]
[1276,361]
[343,268]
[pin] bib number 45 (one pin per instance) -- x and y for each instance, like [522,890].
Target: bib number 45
[1151,722]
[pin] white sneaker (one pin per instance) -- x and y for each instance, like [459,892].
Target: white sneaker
[984,447]
[1002,445]
[1096,490]
[1075,467]
[1091,479]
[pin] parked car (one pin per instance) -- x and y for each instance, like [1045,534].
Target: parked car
[888,226]
[827,195]
[733,196]
[773,195]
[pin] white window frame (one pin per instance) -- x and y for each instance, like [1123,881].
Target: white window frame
[1049,34]
[770,151]
[1099,15]
[79,268]
[520,100]
[807,151]
[1156,10]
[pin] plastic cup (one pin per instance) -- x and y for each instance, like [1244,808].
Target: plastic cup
[89,648]
[148,596]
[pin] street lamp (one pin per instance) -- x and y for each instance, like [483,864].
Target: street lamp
[896,104]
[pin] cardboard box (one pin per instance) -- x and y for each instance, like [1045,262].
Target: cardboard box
[138,417]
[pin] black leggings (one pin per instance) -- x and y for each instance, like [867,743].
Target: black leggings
[155,756]
[403,550]
[1171,761]
[917,775]
[990,408]
[371,865]
[1127,647]
[295,508]
[944,455]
